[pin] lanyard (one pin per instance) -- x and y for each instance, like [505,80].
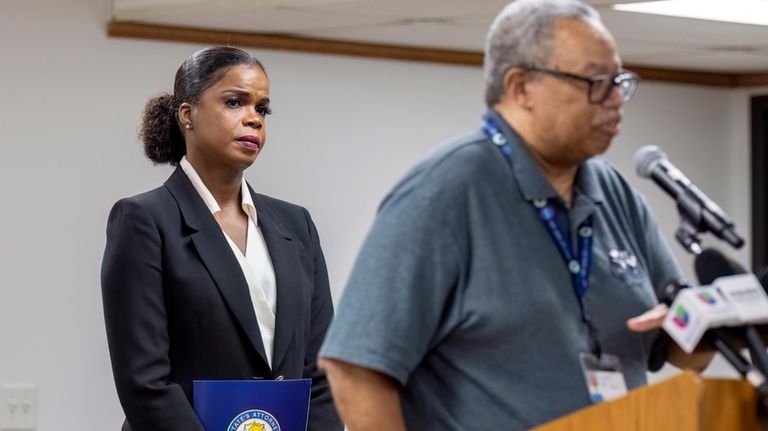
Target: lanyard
[578,261]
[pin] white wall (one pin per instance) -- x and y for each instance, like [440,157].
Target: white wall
[344,131]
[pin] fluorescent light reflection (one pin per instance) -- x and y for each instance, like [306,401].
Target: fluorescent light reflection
[736,11]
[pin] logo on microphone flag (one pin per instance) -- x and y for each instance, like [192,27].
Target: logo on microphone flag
[693,312]
[681,318]
[706,297]
[254,420]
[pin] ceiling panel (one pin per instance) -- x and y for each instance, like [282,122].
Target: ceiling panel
[428,35]
[608,3]
[250,4]
[713,62]
[459,24]
[680,31]
[418,8]
[677,56]
[647,54]
[231,16]
[120,5]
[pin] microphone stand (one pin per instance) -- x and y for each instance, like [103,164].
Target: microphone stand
[759,357]
[691,226]
[691,223]
[688,236]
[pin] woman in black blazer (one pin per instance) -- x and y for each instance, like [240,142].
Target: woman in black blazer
[202,278]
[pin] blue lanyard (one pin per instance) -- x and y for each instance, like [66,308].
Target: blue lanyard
[579,262]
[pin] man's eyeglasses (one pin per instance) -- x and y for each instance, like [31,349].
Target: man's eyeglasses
[600,86]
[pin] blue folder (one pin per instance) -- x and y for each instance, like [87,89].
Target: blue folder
[252,405]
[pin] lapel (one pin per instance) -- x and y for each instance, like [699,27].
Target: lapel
[217,256]
[284,253]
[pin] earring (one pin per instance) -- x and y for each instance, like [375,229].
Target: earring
[188,126]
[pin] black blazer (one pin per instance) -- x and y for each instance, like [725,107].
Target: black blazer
[177,306]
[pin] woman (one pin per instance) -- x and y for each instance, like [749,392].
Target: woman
[203,278]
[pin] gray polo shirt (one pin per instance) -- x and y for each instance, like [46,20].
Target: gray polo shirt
[460,294]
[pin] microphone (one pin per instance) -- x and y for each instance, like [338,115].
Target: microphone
[742,289]
[722,341]
[711,265]
[694,206]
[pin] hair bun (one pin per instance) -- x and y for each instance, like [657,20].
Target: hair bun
[159,131]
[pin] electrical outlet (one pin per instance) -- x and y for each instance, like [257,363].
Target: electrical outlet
[18,406]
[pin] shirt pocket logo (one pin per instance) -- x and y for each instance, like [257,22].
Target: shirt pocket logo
[624,266]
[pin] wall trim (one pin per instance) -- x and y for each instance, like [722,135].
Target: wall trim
[391,52]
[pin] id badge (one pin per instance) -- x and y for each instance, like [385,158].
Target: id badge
[604,376]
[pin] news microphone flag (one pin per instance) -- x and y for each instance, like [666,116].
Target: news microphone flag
[245,405]
[730,301]
[693,312]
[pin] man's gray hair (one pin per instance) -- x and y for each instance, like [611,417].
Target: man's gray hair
[522,35]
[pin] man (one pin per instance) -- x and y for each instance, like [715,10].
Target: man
[507,264]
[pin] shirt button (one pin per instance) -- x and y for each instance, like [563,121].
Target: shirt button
[585,232]
[574,266]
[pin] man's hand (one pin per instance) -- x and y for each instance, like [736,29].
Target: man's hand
[652,319]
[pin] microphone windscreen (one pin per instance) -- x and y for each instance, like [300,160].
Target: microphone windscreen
[711,264]
[669,290]
[646,158]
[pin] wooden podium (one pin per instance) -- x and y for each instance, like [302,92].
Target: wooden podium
[686,402]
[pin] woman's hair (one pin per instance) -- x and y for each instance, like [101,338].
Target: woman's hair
[160,130]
